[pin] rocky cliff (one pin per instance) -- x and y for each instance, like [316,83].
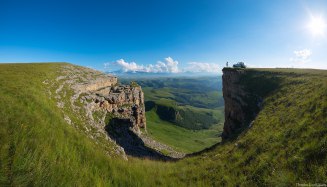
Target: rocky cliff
[90,100]
[102,92]
[241,104]
[120,101]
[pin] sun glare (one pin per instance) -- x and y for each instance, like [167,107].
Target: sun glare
[317,26]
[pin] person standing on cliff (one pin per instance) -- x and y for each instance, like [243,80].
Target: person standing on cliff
[226,64]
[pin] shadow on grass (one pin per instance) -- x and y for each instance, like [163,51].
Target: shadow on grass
[120,131]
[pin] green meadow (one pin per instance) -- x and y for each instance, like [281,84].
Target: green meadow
[179,138]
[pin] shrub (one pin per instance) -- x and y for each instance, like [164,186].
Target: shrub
[239,65]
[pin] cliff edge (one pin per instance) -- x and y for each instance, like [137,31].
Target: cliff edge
[244,91]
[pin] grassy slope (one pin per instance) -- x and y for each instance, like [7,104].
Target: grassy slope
[179,138]
[37,147]
[286,144]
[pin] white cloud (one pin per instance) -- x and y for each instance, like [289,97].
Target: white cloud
[169,65]
[124,66]
[129,66]
[301,56]
[202,67]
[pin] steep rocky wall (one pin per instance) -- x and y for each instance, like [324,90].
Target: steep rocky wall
[124,101]
[241,104]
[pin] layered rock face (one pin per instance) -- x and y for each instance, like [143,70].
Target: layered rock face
[121,101]
[98,83]
[241,106]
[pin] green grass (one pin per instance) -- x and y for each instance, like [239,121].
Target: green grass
[285,145]
[199,118]
[38,148]
[287,141]
[179,138]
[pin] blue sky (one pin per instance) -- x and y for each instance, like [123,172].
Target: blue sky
[165,36]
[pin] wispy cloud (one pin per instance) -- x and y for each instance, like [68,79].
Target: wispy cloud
[198,67]
[301,56]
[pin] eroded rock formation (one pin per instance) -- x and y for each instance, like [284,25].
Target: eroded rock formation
[122,101]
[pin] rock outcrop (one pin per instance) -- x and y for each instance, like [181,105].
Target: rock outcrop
[98,83]
[121,101]
[125,101]
[241,105]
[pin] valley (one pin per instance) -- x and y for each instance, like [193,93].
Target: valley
[186,113]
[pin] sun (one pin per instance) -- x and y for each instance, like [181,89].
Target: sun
[317,26]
